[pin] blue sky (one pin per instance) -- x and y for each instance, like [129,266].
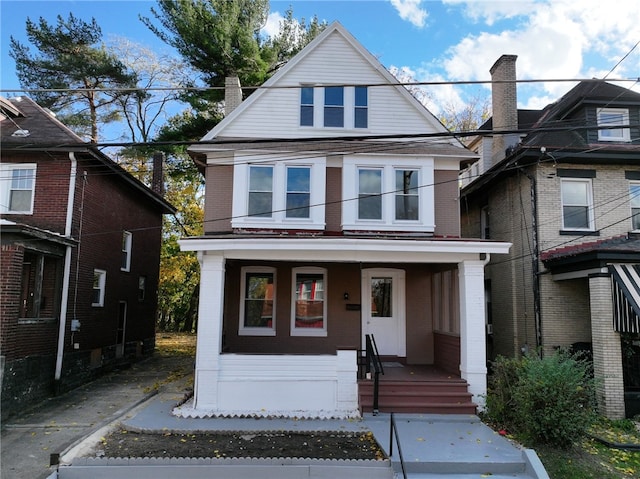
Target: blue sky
[451,40]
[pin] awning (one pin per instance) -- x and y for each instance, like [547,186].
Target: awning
[626,297]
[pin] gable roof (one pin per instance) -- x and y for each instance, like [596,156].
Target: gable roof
[42,131]
[279,80]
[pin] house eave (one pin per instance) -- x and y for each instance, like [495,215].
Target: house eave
[346,249]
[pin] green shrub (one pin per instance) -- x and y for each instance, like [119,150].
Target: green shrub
[545,400]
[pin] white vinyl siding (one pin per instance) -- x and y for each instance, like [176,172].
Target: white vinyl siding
[336,63]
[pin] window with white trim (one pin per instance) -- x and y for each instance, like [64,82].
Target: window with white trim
[260,191]
[257,302]
[634,200]
[608,117]
[309,307]
[298,191]
[383,196]
[99,285]
[125,262]
[17,188]
[361,108]
[407,195]
[338,107]
[279,193]
[306,106]
[577,204]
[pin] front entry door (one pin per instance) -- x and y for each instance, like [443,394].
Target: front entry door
[383,310]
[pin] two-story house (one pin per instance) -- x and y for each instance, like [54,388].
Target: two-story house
[331,213]
[80,257]
[564,189]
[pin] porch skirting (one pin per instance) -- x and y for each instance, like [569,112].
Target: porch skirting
[302,386]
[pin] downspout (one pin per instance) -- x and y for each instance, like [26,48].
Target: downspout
[535,260]
[67,269]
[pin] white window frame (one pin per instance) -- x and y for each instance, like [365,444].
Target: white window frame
[278,218]
[102,286]
[616,134]
[295,331]
[388,165]
[256,331]
[634,202]
[349,108]
[589,205]
[127,243]
[6,180]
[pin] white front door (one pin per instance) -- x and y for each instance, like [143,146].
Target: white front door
[383,310]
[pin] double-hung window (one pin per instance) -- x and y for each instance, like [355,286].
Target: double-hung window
[126,251]
[260,191]
[334,106]
[383,196]
[17,188]
[634,200]
[370,194]
[306,106]
[407,195]
[279,191]
[577,204]
[257,304]
[309,310]
[361,108]
[611,117]
[298,191]
[99,285]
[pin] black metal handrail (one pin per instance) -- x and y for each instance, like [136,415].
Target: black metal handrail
[393,430]
[373,359]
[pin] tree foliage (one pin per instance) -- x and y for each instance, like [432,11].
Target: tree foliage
[70,66]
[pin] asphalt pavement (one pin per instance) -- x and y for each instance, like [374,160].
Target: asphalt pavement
[31,441]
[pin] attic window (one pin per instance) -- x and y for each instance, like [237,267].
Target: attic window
[608,117]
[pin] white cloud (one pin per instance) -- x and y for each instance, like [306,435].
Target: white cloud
[554,39]
[272,25]
[411,10]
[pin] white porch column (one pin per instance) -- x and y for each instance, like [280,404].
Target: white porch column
[209,340]
[607,350]
[473,354]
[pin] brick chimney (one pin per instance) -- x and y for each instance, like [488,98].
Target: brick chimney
[157,179]
[504,103]
[232,94]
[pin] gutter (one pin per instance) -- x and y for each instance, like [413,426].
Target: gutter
[67,269]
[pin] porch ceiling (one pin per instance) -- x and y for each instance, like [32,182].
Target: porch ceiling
[342,249]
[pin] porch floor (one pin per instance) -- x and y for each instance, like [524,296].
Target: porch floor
[396,371]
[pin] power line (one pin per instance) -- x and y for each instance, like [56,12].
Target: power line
[288,87]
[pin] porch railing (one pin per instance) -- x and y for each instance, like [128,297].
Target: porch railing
[372,360]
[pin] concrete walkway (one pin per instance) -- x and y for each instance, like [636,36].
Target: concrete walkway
[450,447]
[453,446]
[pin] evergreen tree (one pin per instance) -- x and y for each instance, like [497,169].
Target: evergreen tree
[70,68]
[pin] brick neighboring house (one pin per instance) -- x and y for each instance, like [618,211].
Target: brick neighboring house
[567,196]
[80,258]
[327,218]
